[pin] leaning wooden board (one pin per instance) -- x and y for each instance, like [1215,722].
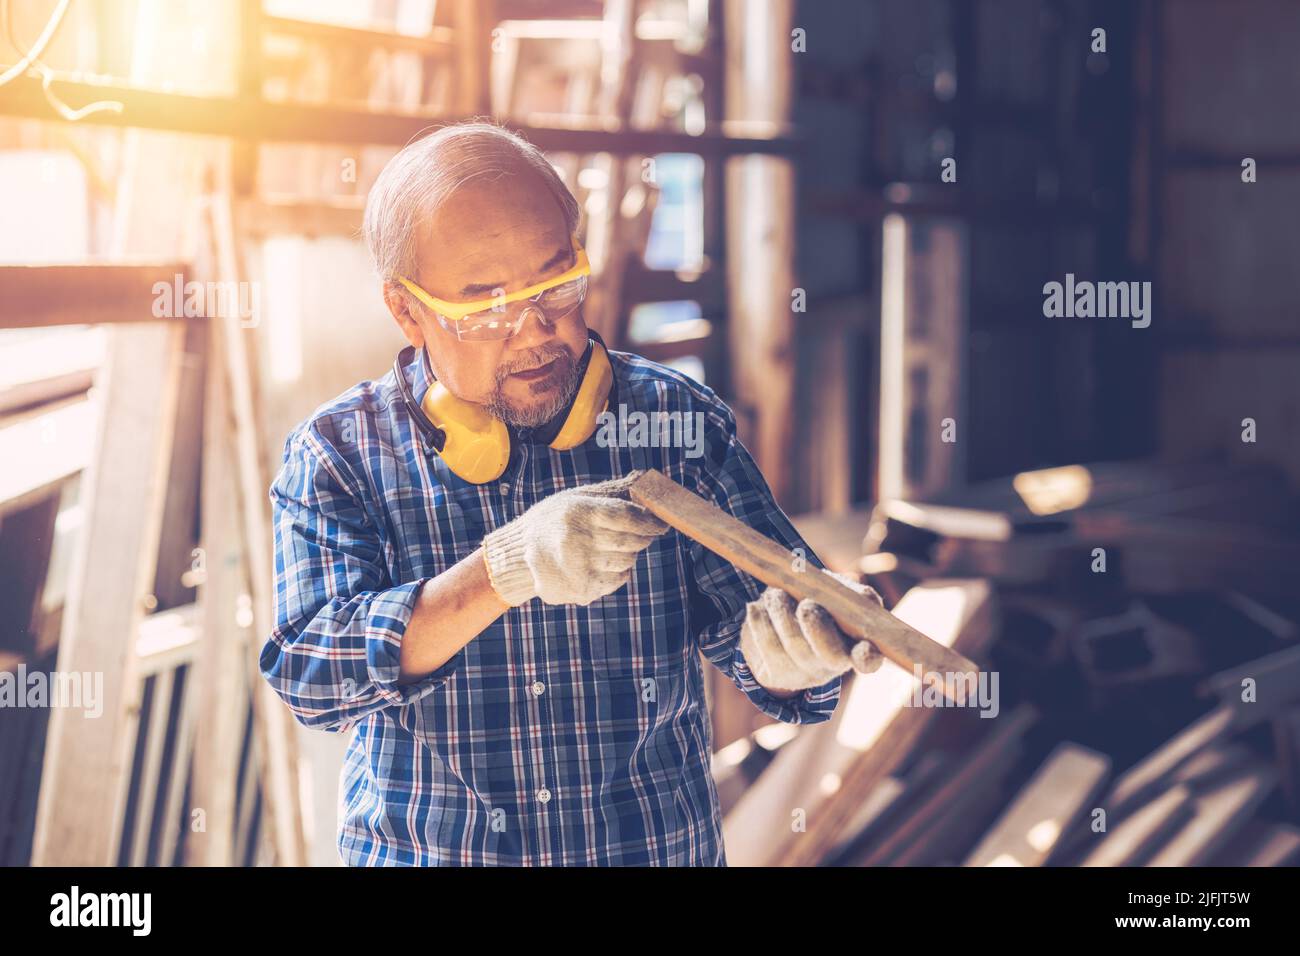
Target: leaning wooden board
[858,616]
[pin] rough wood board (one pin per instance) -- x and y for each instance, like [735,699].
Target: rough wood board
[762,819]
[1261,844]
[878,722]
[37,296]
[1165,759]
[772,564]
[276,744]
[1137,835]
[82,793]
[1032,825]
[219,677]
[1217,814]
[926,825]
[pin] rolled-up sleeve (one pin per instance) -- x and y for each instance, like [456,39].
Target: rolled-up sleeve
[730,479]
[334,655]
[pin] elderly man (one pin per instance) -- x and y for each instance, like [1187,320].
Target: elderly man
[462,578]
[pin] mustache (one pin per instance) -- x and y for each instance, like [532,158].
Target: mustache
[535,358]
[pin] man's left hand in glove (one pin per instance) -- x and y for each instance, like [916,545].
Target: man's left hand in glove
[791,646]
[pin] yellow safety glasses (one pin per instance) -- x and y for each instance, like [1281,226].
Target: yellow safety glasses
[488,319]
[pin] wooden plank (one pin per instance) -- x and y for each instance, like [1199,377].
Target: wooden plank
[147,770]
[760,236]
[219,677]
[260,120]
[471,33]
[438,42]
[81,800]
[927,824]
[45,367]
[1261,844]
[785,794]
[1032,826]
[1217,814]
[37,296]
[276,743]
[887,804]
[1149,772]
[175,815]
[925,272]
[43,449]
[859,617]
[879,721]
[167,640]
[1137,836]
[1214,762]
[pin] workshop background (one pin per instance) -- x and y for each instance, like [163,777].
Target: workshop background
[843,216]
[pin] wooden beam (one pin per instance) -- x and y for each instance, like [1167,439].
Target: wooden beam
[291,122]
[42,449]
[1135,837]
[1148,773]
[769,811]
[760,198]
[879,723]
[1217,814]
[82,789]
[1261,844]
[1054,798]
[84,294]
[858,616]
[472,22]
[275,735]
[220,675]
[438,42]
[167,640]
[41,369]
[926,831]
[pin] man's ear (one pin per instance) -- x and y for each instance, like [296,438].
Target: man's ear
[399,304]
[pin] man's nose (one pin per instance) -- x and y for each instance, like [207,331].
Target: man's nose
[534,329]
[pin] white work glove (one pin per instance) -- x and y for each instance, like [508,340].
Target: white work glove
[793,647]
[571,548]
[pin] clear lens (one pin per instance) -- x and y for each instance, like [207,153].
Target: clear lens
[559,301]
[492,324]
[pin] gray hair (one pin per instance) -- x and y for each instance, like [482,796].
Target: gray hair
[426,172]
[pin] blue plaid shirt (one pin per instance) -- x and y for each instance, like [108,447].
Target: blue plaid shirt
[561,735]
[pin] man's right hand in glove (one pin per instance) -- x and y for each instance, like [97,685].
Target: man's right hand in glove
[571,548]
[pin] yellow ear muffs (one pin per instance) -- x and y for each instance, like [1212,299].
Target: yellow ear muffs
[588,402]
[476,445]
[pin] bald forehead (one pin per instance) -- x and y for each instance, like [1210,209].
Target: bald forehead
[494,232]
[496,203]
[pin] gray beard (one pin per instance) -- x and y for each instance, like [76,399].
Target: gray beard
[537,415]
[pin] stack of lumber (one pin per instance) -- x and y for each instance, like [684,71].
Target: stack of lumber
[1137,626]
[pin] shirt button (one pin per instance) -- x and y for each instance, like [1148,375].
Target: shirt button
[538,688]
[504,489]
[543,795]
